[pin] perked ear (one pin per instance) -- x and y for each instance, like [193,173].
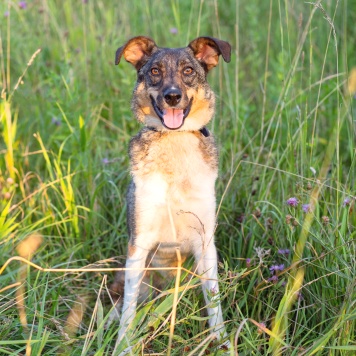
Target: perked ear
[208,49]
[136,51]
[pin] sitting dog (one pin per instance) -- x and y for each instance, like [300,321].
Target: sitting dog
[174,165]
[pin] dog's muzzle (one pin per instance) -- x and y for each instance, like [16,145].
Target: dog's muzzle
[172,118]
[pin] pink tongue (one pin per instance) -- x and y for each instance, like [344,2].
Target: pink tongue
[173,118]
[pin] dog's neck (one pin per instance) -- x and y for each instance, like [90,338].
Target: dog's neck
[204,131]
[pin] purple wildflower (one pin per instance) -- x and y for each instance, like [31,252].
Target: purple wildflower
[293,202]
[275,268]
[346,202]
[105,161]
[306,208]
[213,291]
[248,262]
[285,251]
[23,5]
[85,1]
[56,121]
[7,13]
[173,30]
[273,279]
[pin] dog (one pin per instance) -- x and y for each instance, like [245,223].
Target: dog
[171,201]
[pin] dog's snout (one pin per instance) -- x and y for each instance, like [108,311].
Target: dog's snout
[172,96]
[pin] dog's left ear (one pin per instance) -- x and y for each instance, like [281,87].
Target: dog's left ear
[207,50]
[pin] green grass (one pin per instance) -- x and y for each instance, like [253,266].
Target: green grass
[283,112]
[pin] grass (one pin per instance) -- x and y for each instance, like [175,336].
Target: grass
[285,123]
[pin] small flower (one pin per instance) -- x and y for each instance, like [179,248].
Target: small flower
[261,253]
[273,279]
[260,330]
[347,202]
[284,251]
[275,268]
[22,5]
[257,213]
[213,291]
[173,30]
[7,13]
[248,262]
[293,202]
[56,121]
[241,218]
[105,161]
[288,219]
[325,220]
[306,208]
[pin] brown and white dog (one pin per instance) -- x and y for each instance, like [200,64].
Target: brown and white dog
[174,165]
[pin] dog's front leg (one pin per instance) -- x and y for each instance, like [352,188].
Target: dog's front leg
[206,259]
[135,265]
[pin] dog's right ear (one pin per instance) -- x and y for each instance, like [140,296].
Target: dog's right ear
[136,51]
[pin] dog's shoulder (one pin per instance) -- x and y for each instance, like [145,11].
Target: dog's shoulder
[209,149]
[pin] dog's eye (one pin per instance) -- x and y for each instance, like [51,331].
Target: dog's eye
[188,71]
[155,71]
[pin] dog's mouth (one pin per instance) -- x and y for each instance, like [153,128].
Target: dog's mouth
[172,118]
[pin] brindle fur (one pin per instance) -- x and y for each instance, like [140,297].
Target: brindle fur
[171,198]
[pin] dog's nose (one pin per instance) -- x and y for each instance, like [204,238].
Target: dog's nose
[172,96]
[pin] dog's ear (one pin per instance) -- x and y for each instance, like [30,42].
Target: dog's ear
[207,50]
[136,51]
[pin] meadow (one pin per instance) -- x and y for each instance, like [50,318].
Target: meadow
[286,129]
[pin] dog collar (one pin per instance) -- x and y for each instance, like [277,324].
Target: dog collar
[204,131]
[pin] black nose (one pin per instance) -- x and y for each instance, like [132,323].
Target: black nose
[172,96]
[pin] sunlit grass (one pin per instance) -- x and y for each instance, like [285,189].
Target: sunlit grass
[285,126]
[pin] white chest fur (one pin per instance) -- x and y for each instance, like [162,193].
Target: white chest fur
[174,176]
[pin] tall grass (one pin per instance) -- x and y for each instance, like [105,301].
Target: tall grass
[285,125]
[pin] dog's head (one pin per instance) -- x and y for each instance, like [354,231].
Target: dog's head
[171,92]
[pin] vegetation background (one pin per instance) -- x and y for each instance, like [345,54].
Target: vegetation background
[285,123]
